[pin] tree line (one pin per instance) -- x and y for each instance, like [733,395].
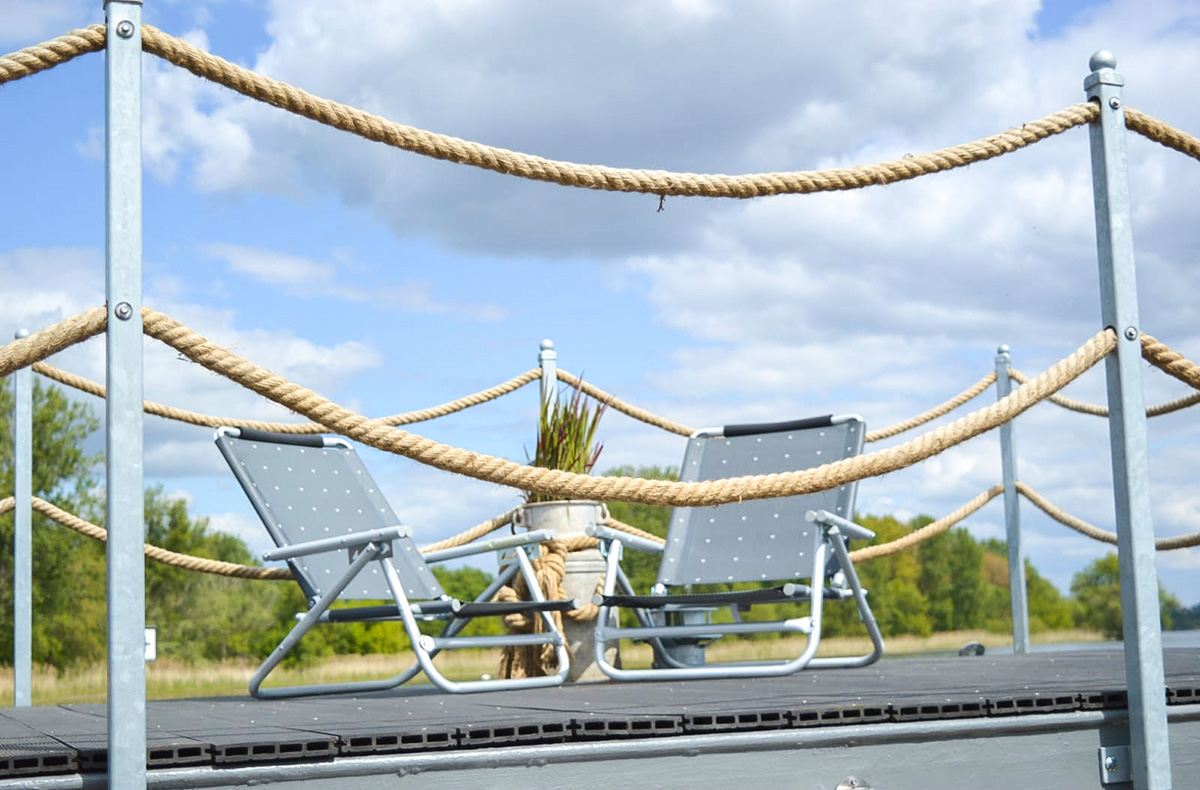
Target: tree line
[951,582]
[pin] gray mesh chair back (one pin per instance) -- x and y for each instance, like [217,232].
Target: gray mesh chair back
[316,487]
[761,539]
[793,550]
[343,542]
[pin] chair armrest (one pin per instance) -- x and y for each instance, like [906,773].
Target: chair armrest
[336,543]
[495,544]
[624,538]
[836,523]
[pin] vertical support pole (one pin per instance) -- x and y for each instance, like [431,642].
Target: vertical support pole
[1127,432]
[548,362]
[22,536]
[1012,513]
[123,408]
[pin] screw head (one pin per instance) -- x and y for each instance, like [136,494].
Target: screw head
[1131,333]
[1115,103]
[123,311]
[1110,764]
[125,28]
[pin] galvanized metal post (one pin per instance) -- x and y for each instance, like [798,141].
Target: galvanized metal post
[548,362]
[1127,431]
[1012,513]
[22,536]
[123,446]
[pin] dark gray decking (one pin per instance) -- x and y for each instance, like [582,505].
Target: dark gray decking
[55,740]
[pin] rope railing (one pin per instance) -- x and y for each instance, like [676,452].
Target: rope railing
[929,530]
[1156,353]
[1084,528]
[156,553]
[211,421]
[371,432]
[932,414]
[47,55]
[613,402]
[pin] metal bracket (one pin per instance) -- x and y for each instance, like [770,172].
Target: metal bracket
[1115,765]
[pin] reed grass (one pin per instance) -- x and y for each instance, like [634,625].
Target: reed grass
[171,679]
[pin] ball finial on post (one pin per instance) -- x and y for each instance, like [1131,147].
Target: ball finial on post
[1102,59]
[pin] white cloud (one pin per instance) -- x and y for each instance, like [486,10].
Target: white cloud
[29,22]
[310,279]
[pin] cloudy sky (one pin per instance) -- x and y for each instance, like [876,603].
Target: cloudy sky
[391,282]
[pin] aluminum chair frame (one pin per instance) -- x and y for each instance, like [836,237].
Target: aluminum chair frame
[822,533]
[380,563]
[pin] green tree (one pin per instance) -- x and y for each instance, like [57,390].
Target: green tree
[68,569]
[642,567]
[1097,593]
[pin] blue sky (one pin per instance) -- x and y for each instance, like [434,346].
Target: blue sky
[390,282]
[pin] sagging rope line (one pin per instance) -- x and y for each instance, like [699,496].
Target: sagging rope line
[661,183]
[626,489]
[221,568]
[929,530]
[1157,354]
[1100,410]
[1162,133]
[41,57]
[51,340]
[932,414]
[613,402]
[196,418]
[1084,528]
[156,553]
[48,54]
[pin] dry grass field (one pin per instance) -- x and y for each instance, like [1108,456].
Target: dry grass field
[168,679]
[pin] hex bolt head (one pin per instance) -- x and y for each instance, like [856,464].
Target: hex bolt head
[1131,333]
[125,28]
[1115,103]
[123,311]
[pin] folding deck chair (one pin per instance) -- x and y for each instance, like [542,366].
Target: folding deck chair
[342,541]
[784,541]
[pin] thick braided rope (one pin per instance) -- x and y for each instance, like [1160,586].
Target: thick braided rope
[1162,133]
[932,414]
[929,530]
[613,402]
[196,418]
[453,149]
[1059,399]
[1170,362]
[625,489]
[156,553]
[51,340]
[1101,410]
[1081,526]
[472,534]
[48,54]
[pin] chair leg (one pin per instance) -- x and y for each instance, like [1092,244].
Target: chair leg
[310,618]
[864,612]
[424,649]
[729,670]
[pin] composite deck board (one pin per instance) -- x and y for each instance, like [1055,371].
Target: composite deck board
[241,731]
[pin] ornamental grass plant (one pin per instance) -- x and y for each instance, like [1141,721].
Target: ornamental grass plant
[566,438]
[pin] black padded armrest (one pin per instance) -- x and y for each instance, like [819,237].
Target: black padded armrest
[750,429]
[303,440]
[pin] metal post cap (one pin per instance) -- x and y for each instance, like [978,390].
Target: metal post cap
[1102,59]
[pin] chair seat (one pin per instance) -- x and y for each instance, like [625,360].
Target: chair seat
[788,592]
